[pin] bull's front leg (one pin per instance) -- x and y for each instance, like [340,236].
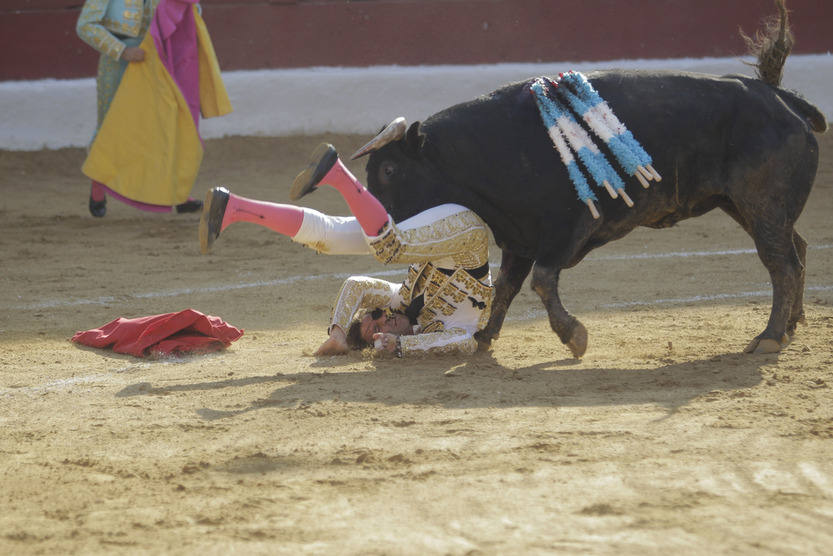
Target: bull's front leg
[513,272]
[572,333]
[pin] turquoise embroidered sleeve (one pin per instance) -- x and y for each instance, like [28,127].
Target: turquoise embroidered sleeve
[92,32]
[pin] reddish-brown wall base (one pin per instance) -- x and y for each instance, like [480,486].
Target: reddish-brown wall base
[38,40]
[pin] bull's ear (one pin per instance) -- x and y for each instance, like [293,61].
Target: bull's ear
[414,139]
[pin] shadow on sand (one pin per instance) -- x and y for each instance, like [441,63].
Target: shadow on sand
[482,382]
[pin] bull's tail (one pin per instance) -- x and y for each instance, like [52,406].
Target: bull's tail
[771,45]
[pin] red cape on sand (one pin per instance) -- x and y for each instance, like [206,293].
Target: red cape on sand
[187,331]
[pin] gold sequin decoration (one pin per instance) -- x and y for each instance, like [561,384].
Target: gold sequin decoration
[453,340]
[463,237]
[435,326]
[386,246]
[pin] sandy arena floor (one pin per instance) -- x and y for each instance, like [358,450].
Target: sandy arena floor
[663,439]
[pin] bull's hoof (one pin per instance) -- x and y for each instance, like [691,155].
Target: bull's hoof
[484,338]
[578,340]
[767,345]
[484,346]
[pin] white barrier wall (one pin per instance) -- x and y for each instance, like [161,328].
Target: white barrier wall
[61,113]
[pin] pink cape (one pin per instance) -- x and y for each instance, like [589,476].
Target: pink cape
[187,331]
[174,33]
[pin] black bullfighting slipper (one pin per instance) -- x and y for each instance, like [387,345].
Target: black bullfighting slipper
[98,208]
[191,205]
[211,220]
[321,161]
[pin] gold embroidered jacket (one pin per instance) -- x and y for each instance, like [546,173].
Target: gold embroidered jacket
[445,245]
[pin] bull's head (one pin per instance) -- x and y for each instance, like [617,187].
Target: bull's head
[398,172]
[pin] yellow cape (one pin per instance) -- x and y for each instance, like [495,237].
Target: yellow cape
[147,148]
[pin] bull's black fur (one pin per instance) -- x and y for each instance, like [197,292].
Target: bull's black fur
[732,142]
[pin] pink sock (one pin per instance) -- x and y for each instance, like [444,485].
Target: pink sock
[284,219]
[367,209]
[97,192]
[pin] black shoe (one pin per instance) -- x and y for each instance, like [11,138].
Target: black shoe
[191,205]
[211,220]
[322,160]
[98,208]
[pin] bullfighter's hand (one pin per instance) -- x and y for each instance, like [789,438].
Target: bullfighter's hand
[384,341]
[336,344]
[133,54]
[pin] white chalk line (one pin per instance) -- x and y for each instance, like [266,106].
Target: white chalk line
[684,254]
[697,298]
[111,377]
[55,385]
[541,313]
[105,300]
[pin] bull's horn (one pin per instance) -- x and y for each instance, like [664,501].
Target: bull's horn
[394,131]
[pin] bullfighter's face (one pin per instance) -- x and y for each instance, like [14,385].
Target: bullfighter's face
[385,323]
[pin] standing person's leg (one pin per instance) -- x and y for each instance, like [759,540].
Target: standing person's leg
[325,168]
[98,199]
[107,82]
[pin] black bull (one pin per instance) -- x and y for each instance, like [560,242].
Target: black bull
[733,143]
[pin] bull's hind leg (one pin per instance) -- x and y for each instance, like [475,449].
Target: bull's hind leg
[513,272]
[572,333]
[797,315]
[782,257]
[783,253]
